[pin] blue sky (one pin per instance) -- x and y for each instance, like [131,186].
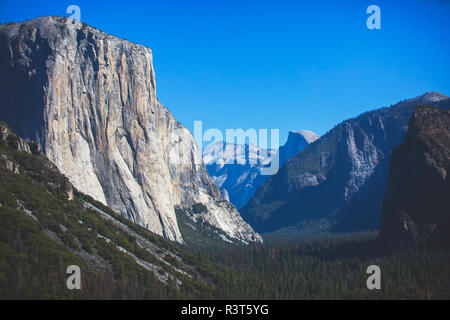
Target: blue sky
[288,65]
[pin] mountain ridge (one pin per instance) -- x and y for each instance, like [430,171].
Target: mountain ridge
[339,175]
[237,169]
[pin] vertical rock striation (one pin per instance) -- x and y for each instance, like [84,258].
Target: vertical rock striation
[89,100]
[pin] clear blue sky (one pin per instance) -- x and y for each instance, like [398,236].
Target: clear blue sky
[289,65]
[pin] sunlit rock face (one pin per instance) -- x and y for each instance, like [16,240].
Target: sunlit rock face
[89,100]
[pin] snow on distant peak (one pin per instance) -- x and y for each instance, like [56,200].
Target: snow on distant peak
[237,168]
[221,153]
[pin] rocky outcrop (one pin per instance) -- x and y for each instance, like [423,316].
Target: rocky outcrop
[416,208]
[89,100]
[12,141]
[239,178]
[338,183]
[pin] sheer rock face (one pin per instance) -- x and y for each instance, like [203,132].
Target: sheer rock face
[89,99]
[417,203]
[339,181]
[9,140]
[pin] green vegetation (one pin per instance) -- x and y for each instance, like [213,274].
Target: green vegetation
[198,233]
[42,232]
[327,267]
[199,208]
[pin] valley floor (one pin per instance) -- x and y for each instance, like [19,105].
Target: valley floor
[45,226]
[328,267]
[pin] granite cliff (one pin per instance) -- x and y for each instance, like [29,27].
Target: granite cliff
[89,101]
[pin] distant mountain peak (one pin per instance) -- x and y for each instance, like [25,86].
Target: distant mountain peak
[229,166]
[309,136]
[338,184]
[221,153]
[432,96]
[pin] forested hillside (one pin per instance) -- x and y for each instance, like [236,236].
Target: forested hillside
[46,225]
[329,267]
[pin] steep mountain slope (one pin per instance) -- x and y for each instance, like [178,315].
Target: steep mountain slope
[89,100]
[338,182]
[239,178]
[417,203]
[46,225]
